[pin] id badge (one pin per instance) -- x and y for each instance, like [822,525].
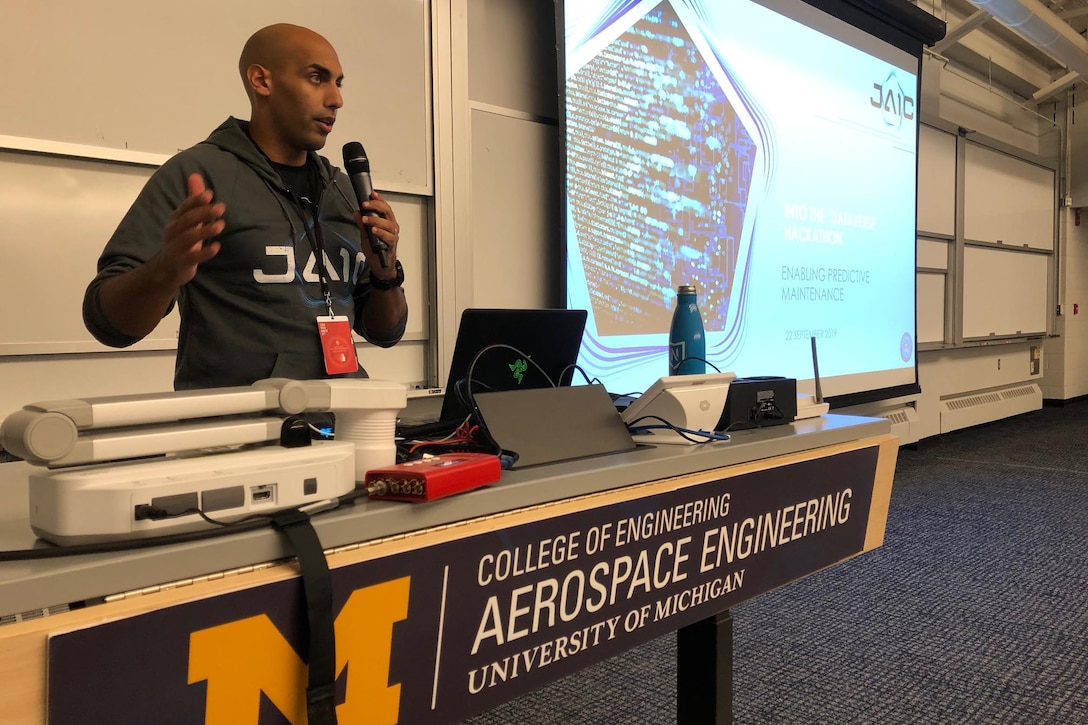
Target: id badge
[337,345]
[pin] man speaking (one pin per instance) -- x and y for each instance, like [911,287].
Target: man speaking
[259,240]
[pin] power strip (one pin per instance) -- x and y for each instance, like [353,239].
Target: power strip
[133,499]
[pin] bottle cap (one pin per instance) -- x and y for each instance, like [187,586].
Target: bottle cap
[685,289]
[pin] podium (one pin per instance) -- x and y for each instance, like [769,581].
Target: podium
[450,608]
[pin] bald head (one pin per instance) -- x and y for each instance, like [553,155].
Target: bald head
[292,77]
[278,46]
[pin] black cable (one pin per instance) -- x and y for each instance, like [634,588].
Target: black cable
[470,399]
[499,345]
[700,359]
[585,375]
[252,522]
[460,389]
[107,547]
[760,416]
[508,458]
[685,433]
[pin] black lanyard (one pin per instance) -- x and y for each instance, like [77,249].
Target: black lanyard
[317,243]
[302,196]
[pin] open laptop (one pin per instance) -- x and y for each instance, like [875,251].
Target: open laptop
[534,349]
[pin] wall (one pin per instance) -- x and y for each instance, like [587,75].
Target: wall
[61,194]
[45,354]
[1066,354]
[514,191]
[493,232]
[953,368]
[487,232]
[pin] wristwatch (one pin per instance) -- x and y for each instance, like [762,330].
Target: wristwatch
[388,284]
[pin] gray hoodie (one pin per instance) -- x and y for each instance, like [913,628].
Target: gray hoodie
[250,312]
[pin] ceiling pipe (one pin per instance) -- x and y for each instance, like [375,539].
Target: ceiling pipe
[1041,27]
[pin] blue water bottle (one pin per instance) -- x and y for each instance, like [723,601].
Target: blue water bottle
[687,346]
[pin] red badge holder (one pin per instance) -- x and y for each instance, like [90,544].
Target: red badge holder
[337,345]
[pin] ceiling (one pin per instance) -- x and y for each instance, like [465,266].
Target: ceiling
[978,43]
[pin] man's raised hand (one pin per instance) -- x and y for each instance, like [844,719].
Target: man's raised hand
[191,231]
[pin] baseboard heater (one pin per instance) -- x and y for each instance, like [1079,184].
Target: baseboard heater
[904,422]
[963,411]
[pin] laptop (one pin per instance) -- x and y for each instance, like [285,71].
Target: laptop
[504,349]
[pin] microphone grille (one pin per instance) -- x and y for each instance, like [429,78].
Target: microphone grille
[355,159]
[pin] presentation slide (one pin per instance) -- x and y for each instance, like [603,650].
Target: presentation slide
[767,159]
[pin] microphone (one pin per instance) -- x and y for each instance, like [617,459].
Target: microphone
[358,167]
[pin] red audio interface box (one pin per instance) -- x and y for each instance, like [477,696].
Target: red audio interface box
[433,477]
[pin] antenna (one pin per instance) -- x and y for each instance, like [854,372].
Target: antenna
[816,372]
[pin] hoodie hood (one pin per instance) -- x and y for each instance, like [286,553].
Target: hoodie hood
[233,136]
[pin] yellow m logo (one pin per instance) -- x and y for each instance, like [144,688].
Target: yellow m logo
[242,659]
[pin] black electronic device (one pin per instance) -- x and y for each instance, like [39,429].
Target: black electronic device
[530,348]
[759,402]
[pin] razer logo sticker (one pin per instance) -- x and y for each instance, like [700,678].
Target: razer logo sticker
[518,367]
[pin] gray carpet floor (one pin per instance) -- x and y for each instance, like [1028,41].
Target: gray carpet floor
[975,610]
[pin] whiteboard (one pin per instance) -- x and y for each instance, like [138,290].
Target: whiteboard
[932,253]
[930,307]
[936,181]
[1004,292]
[57,215]
[1007,200]
[931,278]
[157,77]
